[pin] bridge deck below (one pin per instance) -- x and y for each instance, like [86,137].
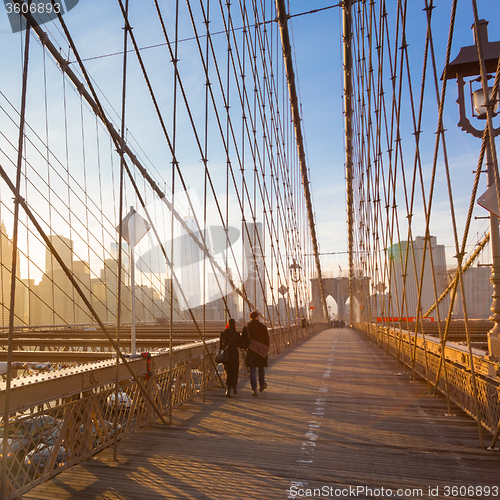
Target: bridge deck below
[338,413]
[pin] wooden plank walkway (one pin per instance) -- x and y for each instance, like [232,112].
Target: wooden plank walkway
[338,414]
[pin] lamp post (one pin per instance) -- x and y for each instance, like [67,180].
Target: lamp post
[295,276]
[467,64]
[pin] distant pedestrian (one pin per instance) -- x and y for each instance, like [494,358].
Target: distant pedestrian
[255,338]
[230,340]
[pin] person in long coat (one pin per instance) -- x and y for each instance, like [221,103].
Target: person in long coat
[230,340]
[255,330]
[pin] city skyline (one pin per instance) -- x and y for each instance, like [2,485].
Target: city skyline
[53,301]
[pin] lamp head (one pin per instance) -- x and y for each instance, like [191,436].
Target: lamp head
[295,270]
[479,103]
[465,65]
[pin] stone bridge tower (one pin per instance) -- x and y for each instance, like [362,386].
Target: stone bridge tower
[338,288]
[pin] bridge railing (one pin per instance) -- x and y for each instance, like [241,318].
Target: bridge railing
[455,378]
[62,418]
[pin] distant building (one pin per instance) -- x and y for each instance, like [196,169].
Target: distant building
[64,248]
[190,270]
[227,298]
[148,304]
[397,256]
[105,292]
[81,273]
[254,268]
[21,300]
[55,289]
[234,301]
[283,312]
[478,293]
[177,312]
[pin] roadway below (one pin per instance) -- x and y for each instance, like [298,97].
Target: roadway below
[339,419]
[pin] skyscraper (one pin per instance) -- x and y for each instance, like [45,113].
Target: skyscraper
[254,265]
[397,254]
[64,247]
[190,268]
[55,289]
[21,304]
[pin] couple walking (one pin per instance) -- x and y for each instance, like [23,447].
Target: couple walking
[255,339]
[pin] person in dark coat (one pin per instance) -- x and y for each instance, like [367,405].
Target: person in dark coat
[255,330]
[230,340]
